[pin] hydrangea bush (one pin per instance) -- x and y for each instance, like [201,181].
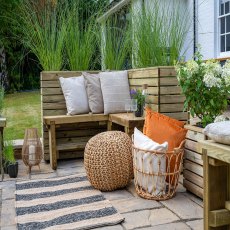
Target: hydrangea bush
[206,86]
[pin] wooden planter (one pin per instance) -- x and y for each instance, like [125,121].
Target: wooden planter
[164,92]
[193,162]
[164,96]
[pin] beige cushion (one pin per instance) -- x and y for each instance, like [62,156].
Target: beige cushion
[149,163]
[219,132]
[93,89]
[115,90]
[75,95]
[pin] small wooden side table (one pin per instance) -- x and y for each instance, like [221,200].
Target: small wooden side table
[127,120]
[2,126]
[216,185]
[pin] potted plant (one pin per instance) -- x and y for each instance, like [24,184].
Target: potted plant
[10,164]
[206,88]
[140,97]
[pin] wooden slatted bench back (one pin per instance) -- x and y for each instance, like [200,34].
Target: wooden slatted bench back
[164,96]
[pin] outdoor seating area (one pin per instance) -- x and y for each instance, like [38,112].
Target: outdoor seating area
[114,115]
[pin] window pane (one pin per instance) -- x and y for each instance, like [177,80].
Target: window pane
[222,9]
[228,24]
[226,7]
[222,44]
[228,42]
[222,25]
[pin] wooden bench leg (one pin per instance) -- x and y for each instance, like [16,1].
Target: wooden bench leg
[109,125]
[52,145]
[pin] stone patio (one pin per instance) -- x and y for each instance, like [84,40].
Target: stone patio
[184,211]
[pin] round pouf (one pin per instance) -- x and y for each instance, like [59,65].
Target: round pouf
[108,160]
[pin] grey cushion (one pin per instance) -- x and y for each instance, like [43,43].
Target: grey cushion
[115,90]
[93,89]
[75,95]
[219,132]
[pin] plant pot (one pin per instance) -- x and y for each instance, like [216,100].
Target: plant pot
[140,111]
[13,170]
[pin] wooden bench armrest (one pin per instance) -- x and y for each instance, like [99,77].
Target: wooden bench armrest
[68,119]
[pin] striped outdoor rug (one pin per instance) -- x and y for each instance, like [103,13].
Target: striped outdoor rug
[62,203]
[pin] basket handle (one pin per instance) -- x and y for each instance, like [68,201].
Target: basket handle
[180,146]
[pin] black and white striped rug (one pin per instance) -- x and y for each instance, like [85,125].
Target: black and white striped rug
[62,203]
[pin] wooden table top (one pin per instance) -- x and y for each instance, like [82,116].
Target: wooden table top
[127,119]
[216,150]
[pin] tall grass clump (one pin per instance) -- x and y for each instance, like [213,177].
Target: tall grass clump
[43,28]
[159,33]
[117,46]
[81,40]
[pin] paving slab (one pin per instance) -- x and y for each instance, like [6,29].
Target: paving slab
[114,227]
[7,184]
[131,188]
[184,207]
[117,195]
[180,188]
[8,213]
[135,220]
[12,227]
[194,198]
[162,216]
[134,204]
[68,171]
[196,224]
[171,226]
[43,176]
[8,193]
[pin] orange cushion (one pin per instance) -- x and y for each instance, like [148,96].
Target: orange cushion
[161,128]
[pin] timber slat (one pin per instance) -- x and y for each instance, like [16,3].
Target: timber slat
[193,145]
[193,156]
[53,98]
[166,99]
[75,118]
[191,166]
[75,133]
[193,188]
[167,72]
[193,178]
[195,136]
[71,146]
[143,73]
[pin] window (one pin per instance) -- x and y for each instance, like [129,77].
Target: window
[224,26]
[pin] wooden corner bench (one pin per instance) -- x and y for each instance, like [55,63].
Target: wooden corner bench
[65,136]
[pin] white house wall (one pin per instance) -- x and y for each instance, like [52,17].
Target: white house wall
[187,13]
[206,27]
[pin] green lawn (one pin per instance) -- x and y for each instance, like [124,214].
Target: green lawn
[22,110]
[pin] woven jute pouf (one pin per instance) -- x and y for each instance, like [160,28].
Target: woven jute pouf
[108,160]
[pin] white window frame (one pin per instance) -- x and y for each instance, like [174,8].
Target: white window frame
[226,53]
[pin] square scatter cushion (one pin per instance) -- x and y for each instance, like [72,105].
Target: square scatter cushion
[147,162]
[115,90]
[75,95]
[219,132]
[93,89]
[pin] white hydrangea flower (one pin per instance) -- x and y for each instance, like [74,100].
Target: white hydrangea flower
[192,67]
[213,67]
[211,81]
[226,73]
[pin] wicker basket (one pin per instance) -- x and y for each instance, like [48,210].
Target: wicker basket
[156,174]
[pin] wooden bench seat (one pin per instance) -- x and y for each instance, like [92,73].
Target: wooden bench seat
[68,119]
